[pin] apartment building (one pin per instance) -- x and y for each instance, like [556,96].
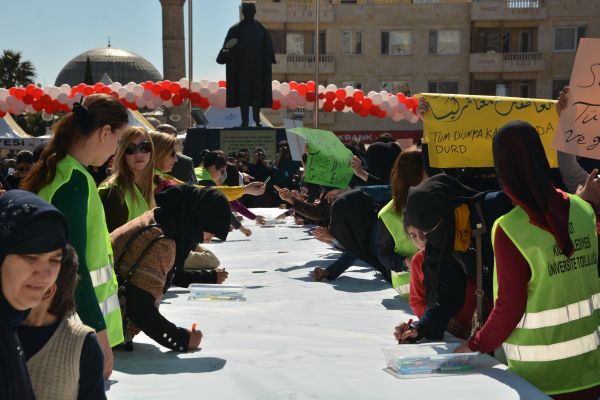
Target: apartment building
[523,48]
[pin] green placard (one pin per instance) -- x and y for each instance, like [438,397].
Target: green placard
[328,161]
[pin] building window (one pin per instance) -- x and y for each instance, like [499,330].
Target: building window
[396,42]
[450,87]
[279,38]
[567,38]
[395,87]
[295,43]
[348,1]
[444,42]
[354,84]
[557,86]
[351,42]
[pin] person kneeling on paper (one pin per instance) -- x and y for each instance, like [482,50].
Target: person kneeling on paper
[150,252]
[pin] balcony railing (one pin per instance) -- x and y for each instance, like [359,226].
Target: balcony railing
[506,62]
[294,11]
[494,10]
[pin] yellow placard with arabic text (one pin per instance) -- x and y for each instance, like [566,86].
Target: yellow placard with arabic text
[459,129]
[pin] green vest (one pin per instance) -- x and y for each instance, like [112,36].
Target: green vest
[135,202]
[401,283]
[98,253]
[202,174]
[556,345]
[394,222]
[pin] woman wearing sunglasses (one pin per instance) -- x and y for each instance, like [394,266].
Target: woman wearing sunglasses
[165,147]
[128,193]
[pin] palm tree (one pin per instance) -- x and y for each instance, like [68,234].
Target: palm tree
[13,71]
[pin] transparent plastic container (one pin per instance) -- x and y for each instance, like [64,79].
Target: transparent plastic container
[208,292]
[427,359]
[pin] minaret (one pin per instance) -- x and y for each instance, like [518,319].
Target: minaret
[173,39]
[174,56]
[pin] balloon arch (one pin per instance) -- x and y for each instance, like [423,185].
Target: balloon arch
[204,93]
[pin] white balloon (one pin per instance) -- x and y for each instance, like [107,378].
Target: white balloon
[130,97]
[115,86]
[167,103]
[196,86]
[138,90]
[397,117]
[130,85]
[204,92]
[331,87]
[277,95]
[275,84]
[310,106]
[65,88]
[53,92]
[4,93]
[204,83]
[184,83]
[284,88]
[212,98]
[349,91]
[213,86]
[147,95]
[377,99]
[393,100]
[122,92]
[140,102]
[62,98]
[151,105]
[371,94]
[385,105]
[4,107]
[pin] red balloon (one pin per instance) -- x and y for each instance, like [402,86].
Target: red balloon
[375,110]
[165,84]
[302,89]
[2,114]
[364,112]
[367,103]
[356,108]
[133,106]
[311,86]
[28,99]
[330,96]
[340,94]
[340,105]
[401,97]
[19,93]
[175,88]
[165,94]
[98,86]
[38,106]
[184,93]
[358,95]
[88,90]
[328,106]
[321,96]
[148,85]
[222,84]
[37,93]
[106,90]
[349,101]
[156,89]
[50,108]
[177,100]
[30,88]
[381,114]
[204,102]
[195,97]
[411,104]
[276,105]
[311,96]
[293,85]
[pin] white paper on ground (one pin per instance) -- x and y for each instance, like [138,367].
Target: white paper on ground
[293,338]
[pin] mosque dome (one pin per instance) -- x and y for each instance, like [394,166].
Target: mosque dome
[120,65]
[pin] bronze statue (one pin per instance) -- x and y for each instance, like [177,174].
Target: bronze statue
[248,54]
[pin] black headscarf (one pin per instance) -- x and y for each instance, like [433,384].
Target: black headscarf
[380,159]
[430,202]
[28,225]
[523,173]
[185,212]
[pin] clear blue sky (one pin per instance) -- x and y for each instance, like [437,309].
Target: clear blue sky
[49,33]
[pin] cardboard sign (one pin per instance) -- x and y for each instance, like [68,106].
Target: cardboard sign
[328,161]
[233,141]
[459,129]
[579,126]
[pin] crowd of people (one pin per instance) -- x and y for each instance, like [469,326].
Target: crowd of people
[97,227]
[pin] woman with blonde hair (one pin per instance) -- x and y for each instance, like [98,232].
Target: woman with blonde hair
[128,192]
[87,136]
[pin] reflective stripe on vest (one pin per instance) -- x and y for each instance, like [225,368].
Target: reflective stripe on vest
[556,345]
[98,252]
[401,282]
[102,275]
[109,305]
[554,352]
[561,315]
[394,222]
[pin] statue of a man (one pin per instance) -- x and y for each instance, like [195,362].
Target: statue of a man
[248,55]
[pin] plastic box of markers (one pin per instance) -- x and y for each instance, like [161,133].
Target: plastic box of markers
[427,359]
[208,292]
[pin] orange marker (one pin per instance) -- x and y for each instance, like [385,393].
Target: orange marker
[194,327]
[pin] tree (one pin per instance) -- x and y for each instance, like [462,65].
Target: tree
[14,71]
